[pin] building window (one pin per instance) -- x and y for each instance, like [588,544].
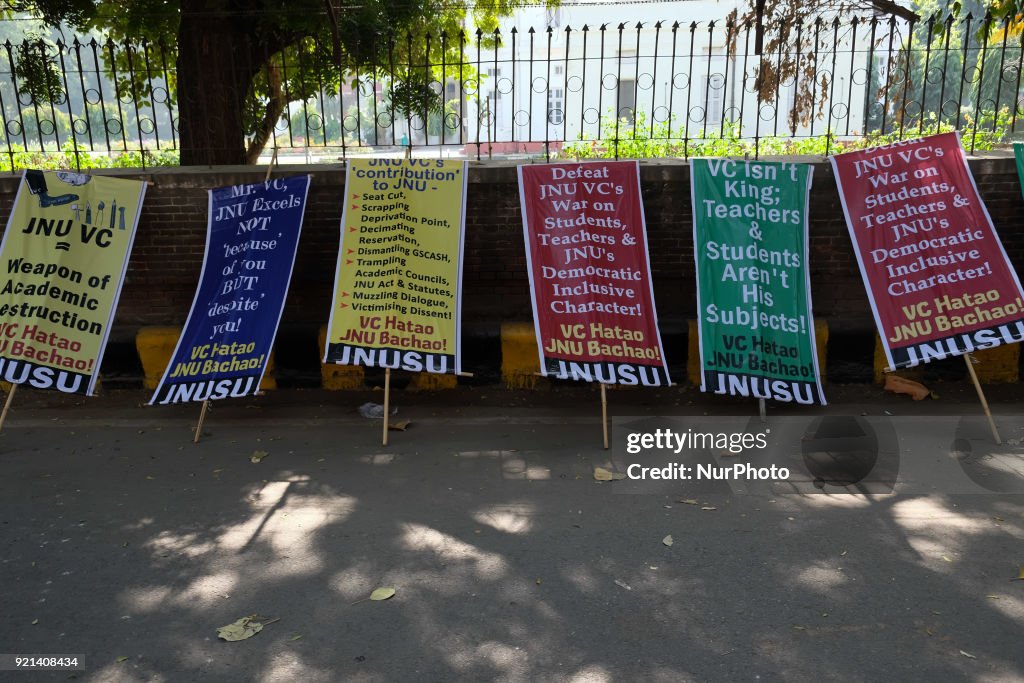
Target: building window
[493,105]
[627,99]
[556,102]
[714,96]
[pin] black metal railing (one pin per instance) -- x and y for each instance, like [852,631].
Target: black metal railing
[664,88]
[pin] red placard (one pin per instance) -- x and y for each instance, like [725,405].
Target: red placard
[586,246]
[936,273]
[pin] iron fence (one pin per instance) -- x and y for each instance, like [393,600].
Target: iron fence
[658,88]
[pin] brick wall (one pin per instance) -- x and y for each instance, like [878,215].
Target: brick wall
[169,246]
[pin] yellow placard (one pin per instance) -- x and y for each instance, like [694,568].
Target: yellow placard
[398,281]
[63,259]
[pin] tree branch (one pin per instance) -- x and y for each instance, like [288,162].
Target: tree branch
[275,107]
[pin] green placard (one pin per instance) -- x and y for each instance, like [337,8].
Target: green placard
[753,292]
[1018,153]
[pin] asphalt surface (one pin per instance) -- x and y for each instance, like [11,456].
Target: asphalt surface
[128,545]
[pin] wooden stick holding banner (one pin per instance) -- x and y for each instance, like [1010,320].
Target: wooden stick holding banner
[604,413]
[202,419]
[7,405]
[206,403]
[387,403]
[981,397]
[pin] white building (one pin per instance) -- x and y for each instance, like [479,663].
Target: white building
[658,66]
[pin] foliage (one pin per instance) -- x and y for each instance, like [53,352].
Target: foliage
[984,132]
[37,74]
[67,159]
[286,52]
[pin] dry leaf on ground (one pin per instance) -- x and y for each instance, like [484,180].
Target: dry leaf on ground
[382,594]
[667,540]
[901,385]
[243,628]
[258,456]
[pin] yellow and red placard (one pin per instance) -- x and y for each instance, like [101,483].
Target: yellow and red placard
[397,286]
[64,256]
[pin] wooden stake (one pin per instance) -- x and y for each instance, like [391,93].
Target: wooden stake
[202,419]
[7,405]
[387,402]
[981,397]
[604,414]
[762,410]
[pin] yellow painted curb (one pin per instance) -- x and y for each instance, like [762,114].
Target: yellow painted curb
[999,365]
[821,347]
[432,381]
[334,377]
[693,351]
[519,360]
[155,345]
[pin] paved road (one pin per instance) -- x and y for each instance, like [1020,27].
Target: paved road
[122,539]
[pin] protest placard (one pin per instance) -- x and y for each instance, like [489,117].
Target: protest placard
[590,277]
[937,275]
[251,239]
[398,281]
[65,253]
[753,285]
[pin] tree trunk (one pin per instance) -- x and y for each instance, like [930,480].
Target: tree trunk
[216,66]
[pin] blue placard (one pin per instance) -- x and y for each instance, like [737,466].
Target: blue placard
[251,238]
